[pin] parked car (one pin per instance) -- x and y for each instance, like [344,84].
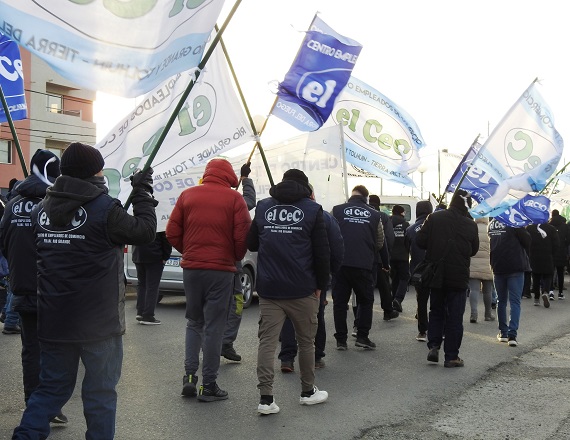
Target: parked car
[171,282]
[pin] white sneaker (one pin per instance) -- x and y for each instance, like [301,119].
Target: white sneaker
[317,397]
[268,409]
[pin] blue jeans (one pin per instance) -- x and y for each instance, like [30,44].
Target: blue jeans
[509,287]
[12,318]
[59,365]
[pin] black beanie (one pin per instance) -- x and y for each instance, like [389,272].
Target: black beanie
[462,200]
[423,207]
[44,164]
[81,160]
[398,210]
[297,176]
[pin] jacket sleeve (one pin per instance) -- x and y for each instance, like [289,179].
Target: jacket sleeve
[165,246]
[248,191]
[139,228]
[242,223]
[175,225]
[555,240]
[321,252]
[524,238]
[253,237]
[380,237]
[475,242]
[336,242]
[422,235]
[389,235]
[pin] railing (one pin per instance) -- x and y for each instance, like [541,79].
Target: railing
[76,113]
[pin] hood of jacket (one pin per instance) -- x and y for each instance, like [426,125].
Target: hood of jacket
[220,171]
[557,220]
[68,193]
[289,191]
[31,186]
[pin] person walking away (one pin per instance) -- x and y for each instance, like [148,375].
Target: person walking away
[450,239]
[509,260]
[236,307]
[19,247]
[288,341]
[293,261]
[363,237]
[561,255]
[208,226]
[149,260]
[80,234]
[399,258]
[543,246]
[480,275]
[423,209]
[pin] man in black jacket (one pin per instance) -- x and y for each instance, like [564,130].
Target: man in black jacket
[80,233]
[450,239]
[561,255]
[293,268]
[399,258]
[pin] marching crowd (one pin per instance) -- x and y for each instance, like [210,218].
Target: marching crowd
[61,224]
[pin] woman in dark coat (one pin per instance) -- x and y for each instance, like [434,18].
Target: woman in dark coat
[561,255]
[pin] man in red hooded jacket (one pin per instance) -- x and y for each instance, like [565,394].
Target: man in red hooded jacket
[208,226]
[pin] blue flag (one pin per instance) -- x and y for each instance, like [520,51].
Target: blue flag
[12,80]
[322,68]
[528,210]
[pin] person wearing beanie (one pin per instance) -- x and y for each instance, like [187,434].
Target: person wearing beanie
[208,226]
[543,248]
[399,258]
[293,267]
[363,234]
[561,256]
[80,232]
[450,239]
[17,243]
[423,209]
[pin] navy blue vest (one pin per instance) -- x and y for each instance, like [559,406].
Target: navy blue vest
[79,274]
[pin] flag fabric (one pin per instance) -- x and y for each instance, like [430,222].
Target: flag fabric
[559,193]
[318,154]
[320,71]
[12,80]
[521,153]
[381,138]
[528,210]
[210,123]
[124,48]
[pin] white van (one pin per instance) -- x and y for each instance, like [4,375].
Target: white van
[407,202]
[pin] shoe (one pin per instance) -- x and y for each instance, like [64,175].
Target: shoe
[502,338]
[527,295]
[354,331]
[60,418]
[433,355]
[229,353]
[313,397]
[551,296]
[473,319]
[189,385]
[2,317]
[560,296]
[397,306]
[319,363]
[211,393]
[537,302]
[422,337]
[139,318]
[513,341]
[391,315]
[287,367]
[12,330]
[454,363]
[341,346]
[493,306]
[545,300]
[149,321]
[366,343]
[489,318]
[266,407]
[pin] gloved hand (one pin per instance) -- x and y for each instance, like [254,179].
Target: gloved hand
[142,181]
[245,169]
[239,303]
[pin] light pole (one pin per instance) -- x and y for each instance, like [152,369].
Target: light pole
[422,169]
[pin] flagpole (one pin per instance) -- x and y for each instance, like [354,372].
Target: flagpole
[13,130]
[464,174]
[247,112]
[554,177]
[182,100]
[344,162]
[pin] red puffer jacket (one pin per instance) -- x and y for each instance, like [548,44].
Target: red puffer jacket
[210,222]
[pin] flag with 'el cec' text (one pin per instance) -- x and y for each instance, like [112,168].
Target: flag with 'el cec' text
[12,80]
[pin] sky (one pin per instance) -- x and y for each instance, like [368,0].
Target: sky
[456,67]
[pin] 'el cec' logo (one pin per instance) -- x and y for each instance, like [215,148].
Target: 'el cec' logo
[356,212]
[78,220]
[284,215]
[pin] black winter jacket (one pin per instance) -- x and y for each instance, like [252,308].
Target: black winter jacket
[542,250]
[156,251]
[561,255]
[509,248]
[416,254]
[399,251]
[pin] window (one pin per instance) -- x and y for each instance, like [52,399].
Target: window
[54,103]
[5,151]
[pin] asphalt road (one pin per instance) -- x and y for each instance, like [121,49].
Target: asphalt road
[389,393]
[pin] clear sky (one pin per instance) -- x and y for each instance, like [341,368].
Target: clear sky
[455,66]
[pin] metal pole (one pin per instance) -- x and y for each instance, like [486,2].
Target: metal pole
[13,130]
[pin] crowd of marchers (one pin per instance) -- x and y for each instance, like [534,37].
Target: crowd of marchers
[62,238]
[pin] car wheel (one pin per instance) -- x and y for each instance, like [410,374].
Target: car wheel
[247,286]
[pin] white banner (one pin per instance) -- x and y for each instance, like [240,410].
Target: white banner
[318,154]
[210,123]
[121,47]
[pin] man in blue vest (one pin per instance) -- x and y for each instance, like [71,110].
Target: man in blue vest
[80,233]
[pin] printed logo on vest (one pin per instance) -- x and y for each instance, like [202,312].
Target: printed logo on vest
[357,212]
[77,221]
[284,215]
[23,208]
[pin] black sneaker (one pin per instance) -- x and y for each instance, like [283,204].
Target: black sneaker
[229,353]
[2,317]
[433,355]
[287,367]
[512,341]
[454,363]
[390,315]
[397,306]
[12,330]
[60,418]
[364,342]
[149,320]
[341,345]
[189,382]
[211,392]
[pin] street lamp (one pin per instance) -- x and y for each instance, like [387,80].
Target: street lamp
[422,169]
